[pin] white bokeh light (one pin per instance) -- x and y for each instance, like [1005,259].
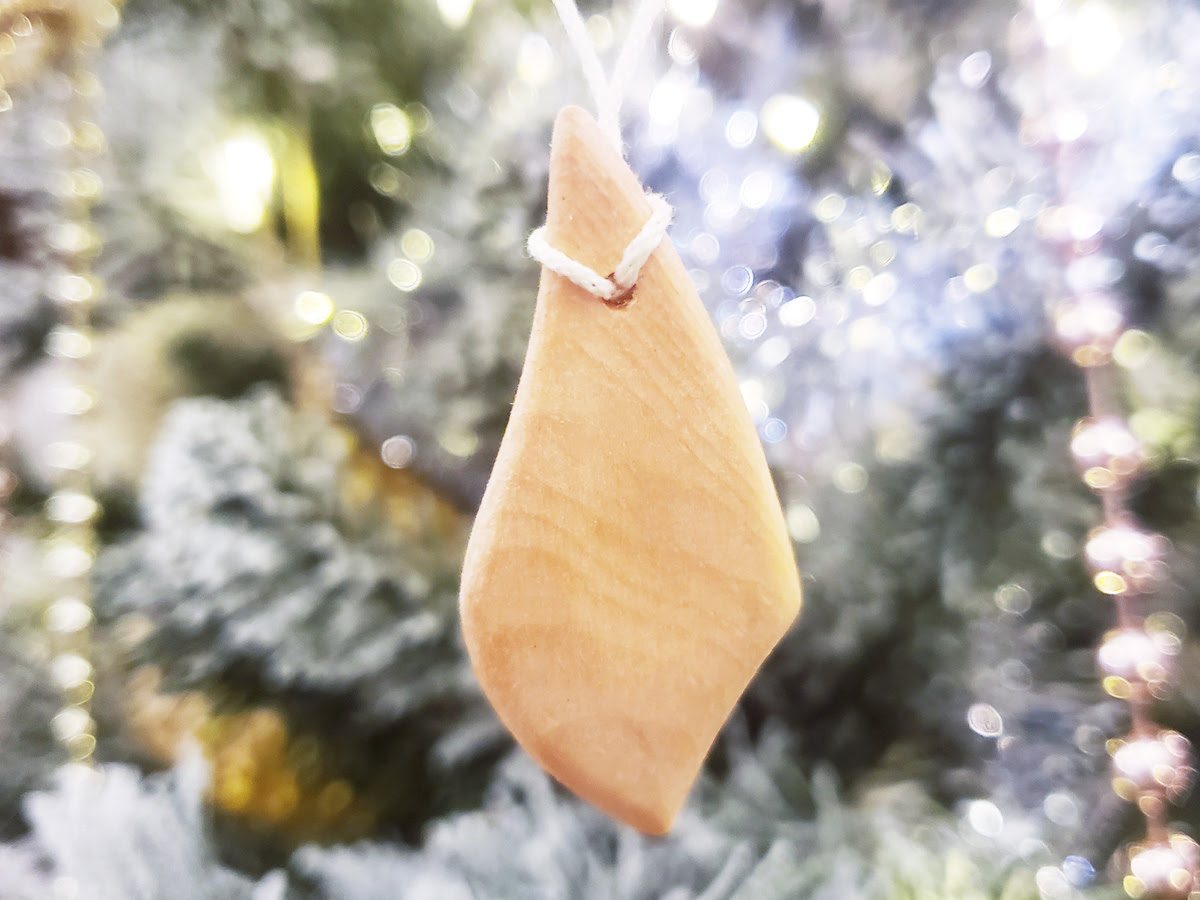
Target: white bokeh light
[696,13]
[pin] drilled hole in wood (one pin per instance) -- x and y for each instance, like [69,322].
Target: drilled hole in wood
[622,298]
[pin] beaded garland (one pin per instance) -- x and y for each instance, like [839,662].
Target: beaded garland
[71,508]
[1152,767]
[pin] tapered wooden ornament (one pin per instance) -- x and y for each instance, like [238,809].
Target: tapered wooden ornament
[629,569]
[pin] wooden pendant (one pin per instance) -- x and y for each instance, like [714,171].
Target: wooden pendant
[629,569]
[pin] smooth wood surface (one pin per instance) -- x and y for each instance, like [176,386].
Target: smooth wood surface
[629,569]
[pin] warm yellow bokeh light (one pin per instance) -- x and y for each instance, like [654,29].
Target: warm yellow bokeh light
[392,128]
[404,274]
[350,325]
[245,179]
[417,245]
[313,308]
[455,12]
[791,122]
[536,62]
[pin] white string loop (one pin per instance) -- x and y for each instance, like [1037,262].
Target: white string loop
[593,71]
[625,275]
[607,94]
[635,41]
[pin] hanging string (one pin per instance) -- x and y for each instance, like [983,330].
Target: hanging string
[608,94]
[625,275]
[640,30]
[593,71]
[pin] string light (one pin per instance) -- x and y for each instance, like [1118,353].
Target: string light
[350,325]
[404,274]
[696,13]
[244,172]
[536,62]
[455,12]
[417,245]
[790,122]
[313,308]
[392,128]
[1095,39]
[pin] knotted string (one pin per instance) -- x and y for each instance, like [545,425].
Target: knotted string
[625,275]
[607,94]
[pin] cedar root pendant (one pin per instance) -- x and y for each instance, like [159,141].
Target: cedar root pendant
[629,569]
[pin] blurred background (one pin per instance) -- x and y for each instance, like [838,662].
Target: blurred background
[263,304]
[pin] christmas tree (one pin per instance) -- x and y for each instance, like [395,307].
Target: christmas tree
[264,303]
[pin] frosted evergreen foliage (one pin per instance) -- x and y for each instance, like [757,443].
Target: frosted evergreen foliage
[254,578]
[114,835]
[28,751]
[763,833]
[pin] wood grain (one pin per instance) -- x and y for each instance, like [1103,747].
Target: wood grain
[629,569]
